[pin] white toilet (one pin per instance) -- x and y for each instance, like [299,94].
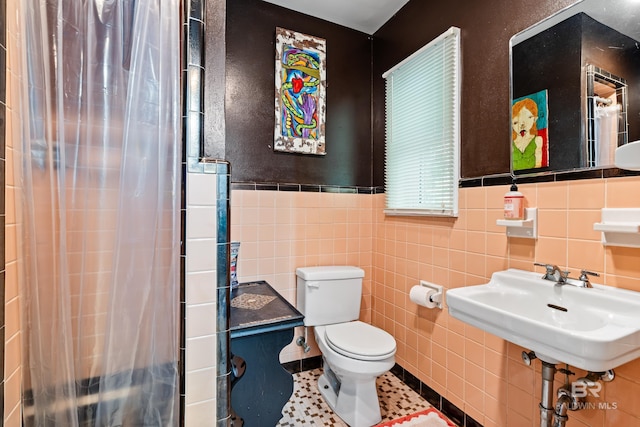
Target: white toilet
[354,353]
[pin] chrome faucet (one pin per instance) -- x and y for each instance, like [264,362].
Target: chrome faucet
[584,278]
[561,277]
[554,273]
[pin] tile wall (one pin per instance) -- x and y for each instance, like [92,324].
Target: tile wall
[204,340]
[481,374]
[200,298]
[478,372]
[11,134]
[282,230]
[3,129]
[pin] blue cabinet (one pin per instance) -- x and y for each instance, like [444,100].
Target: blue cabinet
[262,323]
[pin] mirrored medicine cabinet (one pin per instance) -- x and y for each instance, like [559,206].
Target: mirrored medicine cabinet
[575,88]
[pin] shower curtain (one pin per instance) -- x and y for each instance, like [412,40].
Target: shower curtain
[606,133]
[100,176]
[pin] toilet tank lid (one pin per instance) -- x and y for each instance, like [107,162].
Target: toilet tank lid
[330,272]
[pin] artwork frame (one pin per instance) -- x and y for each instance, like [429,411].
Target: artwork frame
[530,135]
[300,93]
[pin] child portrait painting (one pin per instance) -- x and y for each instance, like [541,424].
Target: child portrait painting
[529,120]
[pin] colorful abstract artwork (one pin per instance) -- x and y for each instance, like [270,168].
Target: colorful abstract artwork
[300,93]
[529,121]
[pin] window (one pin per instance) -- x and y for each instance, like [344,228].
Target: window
[422,145]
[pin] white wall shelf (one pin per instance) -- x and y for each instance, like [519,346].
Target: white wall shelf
[620,227]
[525,228]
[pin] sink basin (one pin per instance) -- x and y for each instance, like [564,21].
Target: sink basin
[594,329]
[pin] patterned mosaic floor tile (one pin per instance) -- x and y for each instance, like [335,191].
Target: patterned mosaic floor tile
[307,408]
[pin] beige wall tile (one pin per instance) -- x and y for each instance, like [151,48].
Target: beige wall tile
[12,348]
[474,402]
[520,402]
[495,196]
[586,254]
[451,357]
[580,224]
[474,375]
[622,262]
[477,242]
[552,195]
[13,413]
[474,199]
[455,389]
[619,417]
[624,393]
[551,250]
[521,249]
[622,193]
[476,219]
[495,411]
[631,283]
[552,223]
[586,194]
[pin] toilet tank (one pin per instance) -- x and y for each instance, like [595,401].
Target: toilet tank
[329,294]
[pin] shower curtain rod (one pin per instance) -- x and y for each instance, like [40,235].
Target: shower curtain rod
[605,101]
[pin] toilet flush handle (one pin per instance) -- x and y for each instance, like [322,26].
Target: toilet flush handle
[313,284]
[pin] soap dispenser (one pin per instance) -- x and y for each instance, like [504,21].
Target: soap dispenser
[513,203]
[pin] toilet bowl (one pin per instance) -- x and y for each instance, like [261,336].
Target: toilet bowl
[348,383]
[354,353]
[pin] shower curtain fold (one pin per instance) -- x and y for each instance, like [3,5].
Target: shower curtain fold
[100,174]
[606,133]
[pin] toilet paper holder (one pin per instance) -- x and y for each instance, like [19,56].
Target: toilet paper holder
[437,297]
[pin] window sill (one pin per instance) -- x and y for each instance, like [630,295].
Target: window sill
[421,212]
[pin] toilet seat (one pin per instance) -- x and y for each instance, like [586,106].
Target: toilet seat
[360,340]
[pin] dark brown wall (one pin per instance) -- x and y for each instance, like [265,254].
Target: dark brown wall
[486,28]
[250,112]
[355,136]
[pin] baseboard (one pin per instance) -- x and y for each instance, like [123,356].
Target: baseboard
[438,401]
[302,365]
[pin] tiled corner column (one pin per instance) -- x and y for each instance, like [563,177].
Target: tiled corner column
[205,339]
[207,373]
[3,108]
[200,299]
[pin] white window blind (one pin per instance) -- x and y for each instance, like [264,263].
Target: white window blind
[422,146]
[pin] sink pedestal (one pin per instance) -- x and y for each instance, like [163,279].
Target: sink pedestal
[546,395]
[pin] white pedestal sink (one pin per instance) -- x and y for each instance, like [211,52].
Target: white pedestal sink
[595,329]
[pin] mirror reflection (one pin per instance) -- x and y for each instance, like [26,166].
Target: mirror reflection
[575,86]
[607,126]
